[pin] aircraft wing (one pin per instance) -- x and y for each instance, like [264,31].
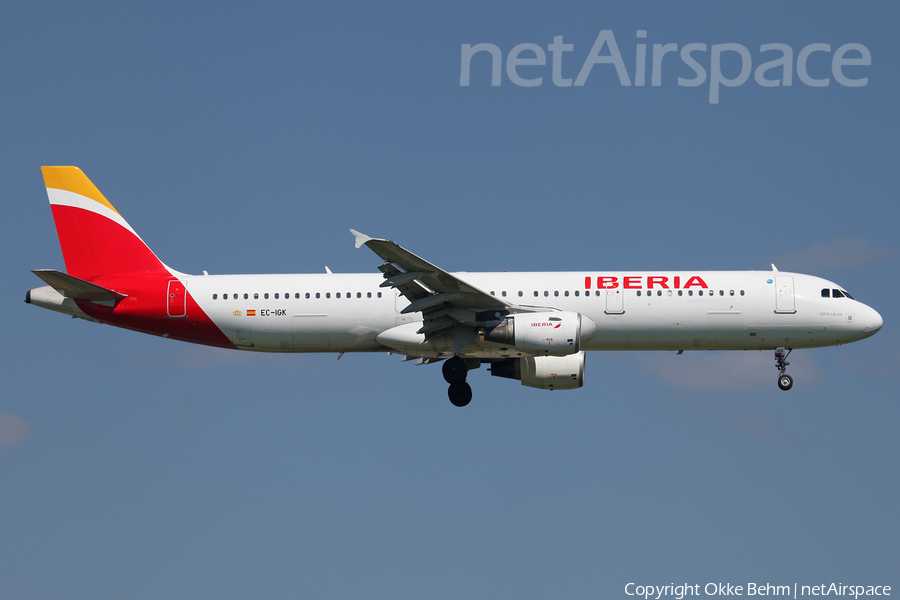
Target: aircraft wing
[444,299]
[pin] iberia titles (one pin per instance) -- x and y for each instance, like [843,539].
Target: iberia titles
[639,282]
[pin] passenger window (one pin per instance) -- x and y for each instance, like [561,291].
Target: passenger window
[836,294]
[503,294]
[597,293]
[520,294]
[535,294]
[555,294]
[349,294]
[215,296]
[318,295]
[368,294]
[546,294]
[669,293]
[338,295]
[639,292]
[307,295]
[567,293]
[826,293]
[492,293]
[328,294]
[659,292]
[359,294]
[246,296]
[379,294]
[276,296]
[731,292]
[690,292]
[742,292]
[680,292]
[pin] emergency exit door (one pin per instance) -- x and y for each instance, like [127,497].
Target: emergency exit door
[614,302]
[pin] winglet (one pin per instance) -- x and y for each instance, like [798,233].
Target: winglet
[361,238]
[774,268]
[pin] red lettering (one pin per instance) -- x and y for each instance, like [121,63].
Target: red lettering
[631,283]
[660,281]
[587,283]
[677,282]
[607,283]
[695,280]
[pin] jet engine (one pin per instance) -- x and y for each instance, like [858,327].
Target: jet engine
[544,372]
[546,333]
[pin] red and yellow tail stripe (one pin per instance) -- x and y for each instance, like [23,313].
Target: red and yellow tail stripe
[96,241]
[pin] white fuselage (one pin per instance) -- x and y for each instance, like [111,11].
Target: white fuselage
[736,310]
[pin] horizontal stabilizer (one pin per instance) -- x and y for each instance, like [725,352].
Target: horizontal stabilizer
[77,289]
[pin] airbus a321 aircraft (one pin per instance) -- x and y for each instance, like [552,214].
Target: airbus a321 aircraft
[534,327]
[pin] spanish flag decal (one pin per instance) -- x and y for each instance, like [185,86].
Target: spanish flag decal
[251,313]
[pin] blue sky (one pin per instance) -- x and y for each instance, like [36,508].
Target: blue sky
[239,138]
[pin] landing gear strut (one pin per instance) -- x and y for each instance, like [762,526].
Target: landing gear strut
[455,371]
[785,381]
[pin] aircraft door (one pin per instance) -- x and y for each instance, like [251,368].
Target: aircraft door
[614,302]
[784,298]
[176,307]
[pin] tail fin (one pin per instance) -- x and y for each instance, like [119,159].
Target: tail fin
[95,239]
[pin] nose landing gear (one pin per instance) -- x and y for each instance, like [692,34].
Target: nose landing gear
[785,381]
[455,371]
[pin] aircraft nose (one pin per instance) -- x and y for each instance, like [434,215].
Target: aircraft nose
[873,322]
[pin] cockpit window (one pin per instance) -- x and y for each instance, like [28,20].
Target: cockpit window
[836,294]
[848,295]
[826,293]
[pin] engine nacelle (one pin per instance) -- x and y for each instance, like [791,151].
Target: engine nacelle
[546,333]
[544,372]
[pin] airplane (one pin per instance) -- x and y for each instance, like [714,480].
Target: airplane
[531,327]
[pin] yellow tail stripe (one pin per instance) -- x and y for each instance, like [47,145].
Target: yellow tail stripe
[72,179]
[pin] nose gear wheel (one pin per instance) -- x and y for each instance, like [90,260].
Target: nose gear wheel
[785,381]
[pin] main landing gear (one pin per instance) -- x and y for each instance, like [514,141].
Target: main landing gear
[785,381]
[455,371]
